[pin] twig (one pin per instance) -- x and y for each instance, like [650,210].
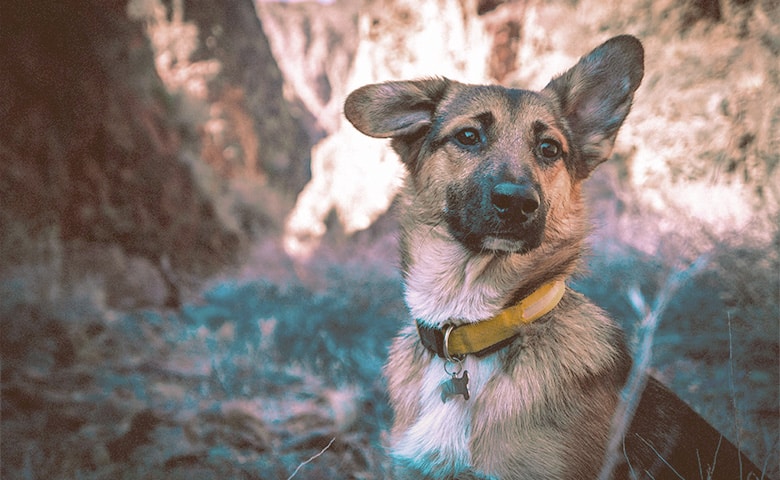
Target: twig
[737,425]
[312,458]
[637,379]
[661,457]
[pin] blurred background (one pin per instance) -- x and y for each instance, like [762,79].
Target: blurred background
[198,254]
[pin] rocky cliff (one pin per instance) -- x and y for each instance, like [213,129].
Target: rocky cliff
[704,124]
[166,138]
[142,144]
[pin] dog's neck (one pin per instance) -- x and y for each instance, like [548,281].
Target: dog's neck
[487,336]
[447,284]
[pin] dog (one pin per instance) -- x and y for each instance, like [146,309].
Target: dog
[505,372]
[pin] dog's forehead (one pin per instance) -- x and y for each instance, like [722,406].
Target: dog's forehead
[500,103]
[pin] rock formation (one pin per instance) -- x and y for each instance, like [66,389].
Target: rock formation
[697,130]
[169,136]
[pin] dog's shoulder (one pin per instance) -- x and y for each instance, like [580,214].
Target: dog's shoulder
[668,439]
[588,332]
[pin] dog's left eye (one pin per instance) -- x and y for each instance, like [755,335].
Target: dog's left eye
[549,149]
[468,137]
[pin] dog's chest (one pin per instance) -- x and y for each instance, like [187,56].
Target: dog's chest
[437,442]
[445,282]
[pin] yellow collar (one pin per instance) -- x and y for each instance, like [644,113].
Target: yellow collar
[488,335]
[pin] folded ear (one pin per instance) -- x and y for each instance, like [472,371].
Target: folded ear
[399,110]
[595,96]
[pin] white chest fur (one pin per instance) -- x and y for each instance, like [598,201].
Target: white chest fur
[447,282]
[437,444]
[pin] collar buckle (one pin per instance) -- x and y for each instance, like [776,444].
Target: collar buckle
[446,346]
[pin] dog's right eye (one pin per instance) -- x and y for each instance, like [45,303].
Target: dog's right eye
[549,149]
[468,137]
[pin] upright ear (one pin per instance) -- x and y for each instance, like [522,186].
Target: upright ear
[595,96]
[402,111]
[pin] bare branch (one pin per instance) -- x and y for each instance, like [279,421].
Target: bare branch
[314,457]
[637,378]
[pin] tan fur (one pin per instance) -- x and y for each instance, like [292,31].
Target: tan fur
[492,209]
[540,407]
[546,413]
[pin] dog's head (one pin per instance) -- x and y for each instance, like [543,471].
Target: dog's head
[497,164]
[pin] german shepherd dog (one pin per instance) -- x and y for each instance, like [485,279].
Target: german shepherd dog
[506,373]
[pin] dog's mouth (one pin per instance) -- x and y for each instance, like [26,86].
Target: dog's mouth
[522,239]
[505,243]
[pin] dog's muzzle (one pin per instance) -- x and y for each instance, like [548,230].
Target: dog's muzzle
[505,216]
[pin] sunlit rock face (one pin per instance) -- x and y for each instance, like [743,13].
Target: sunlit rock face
[352,175]
[170,136]
[696,154]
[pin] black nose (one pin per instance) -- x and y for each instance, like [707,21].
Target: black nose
[515,200]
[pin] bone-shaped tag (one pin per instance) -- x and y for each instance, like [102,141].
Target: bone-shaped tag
[455,386]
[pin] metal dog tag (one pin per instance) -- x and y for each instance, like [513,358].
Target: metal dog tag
[455,386]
